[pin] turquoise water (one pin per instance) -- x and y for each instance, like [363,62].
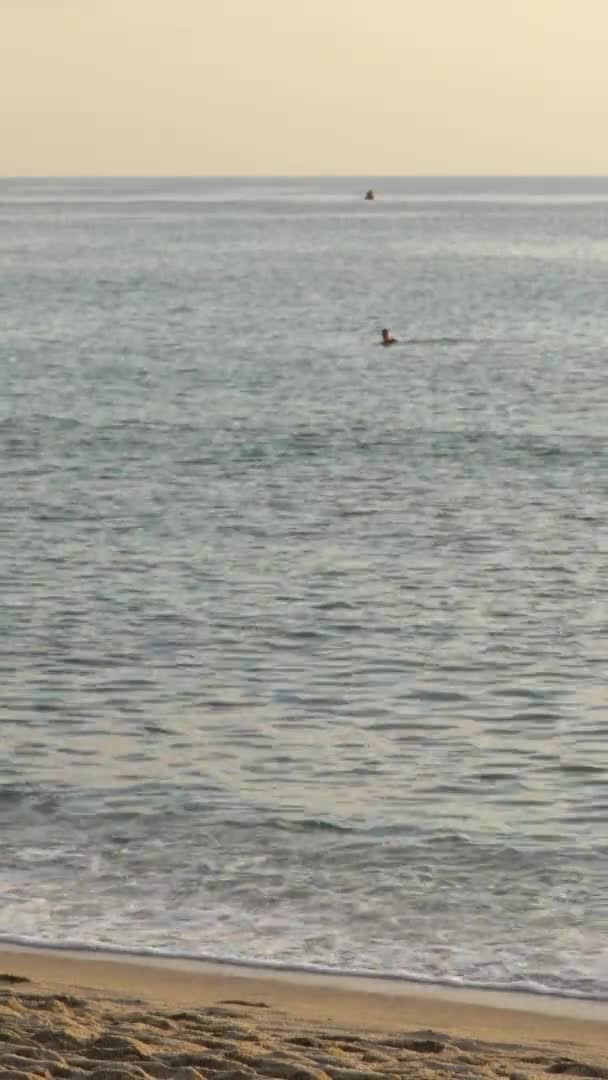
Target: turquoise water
[304,643]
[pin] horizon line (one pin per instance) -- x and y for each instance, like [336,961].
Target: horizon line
[305,176]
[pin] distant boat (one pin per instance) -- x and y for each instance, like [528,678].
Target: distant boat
[369,194]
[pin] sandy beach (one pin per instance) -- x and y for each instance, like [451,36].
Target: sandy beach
[78,1016]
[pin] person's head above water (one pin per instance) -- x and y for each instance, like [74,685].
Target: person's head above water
[387,338]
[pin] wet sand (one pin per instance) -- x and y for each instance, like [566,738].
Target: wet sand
[77,1015]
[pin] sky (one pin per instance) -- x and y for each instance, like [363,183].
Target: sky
[303,87]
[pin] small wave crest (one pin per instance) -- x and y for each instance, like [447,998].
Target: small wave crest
[279,824]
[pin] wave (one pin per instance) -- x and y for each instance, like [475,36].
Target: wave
[517,986]
[280,824]
[447,341]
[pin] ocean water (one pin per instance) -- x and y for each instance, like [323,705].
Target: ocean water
[304,642]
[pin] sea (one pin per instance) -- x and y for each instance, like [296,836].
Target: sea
[304,641]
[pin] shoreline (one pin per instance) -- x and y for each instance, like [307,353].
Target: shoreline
[543,1001]
[374,1005]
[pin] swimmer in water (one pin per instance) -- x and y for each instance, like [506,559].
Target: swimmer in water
[387,338]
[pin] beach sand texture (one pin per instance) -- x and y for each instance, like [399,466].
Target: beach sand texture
[178,1027]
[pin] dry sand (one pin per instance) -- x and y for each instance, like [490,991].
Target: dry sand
[74,1016]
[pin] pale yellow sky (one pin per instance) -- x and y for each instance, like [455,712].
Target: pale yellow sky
[303,86]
